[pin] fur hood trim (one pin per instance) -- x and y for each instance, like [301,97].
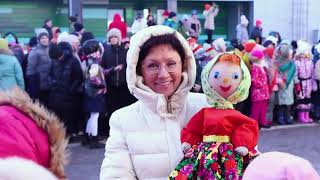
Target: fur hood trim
[45,120]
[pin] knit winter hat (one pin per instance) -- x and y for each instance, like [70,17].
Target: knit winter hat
[41,32]
[269,52]
[69,38]
[78,27]
[283,51]
[172,14]
[280,166]
[114,32]
[244,20]
[257,54]
[219,44]
[249,45]
[303,48]
[184,17]
[194,12]
[4,44]
[258,22]
[165,13]
[273,39]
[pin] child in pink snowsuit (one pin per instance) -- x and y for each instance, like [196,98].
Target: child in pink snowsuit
[259,88]
[305,68]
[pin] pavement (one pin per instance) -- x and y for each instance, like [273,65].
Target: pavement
[299,139]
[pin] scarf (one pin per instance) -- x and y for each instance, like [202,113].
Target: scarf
[290,68]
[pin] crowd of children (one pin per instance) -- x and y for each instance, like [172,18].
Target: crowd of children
[284,76]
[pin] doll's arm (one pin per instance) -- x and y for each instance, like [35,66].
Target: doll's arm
[246,133]
[192,133]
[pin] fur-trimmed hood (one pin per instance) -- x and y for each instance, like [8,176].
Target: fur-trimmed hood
[46,121]
[114,32]
[158,102]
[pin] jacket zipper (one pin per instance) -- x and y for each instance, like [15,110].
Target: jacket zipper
[117,63]
[169,108]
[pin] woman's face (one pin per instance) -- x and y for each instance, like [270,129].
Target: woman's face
[161,69]
[44,40]
[114,40]
[225,77]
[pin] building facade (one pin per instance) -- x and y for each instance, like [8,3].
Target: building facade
[293,19]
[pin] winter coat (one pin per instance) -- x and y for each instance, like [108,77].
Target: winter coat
[285,96]
[94,89]
[256,33]
[317,71]
[209,15]
[10,71]
[259,85]
[29,131]
[119,24]
[305,76]
[66,81]
[144,141]
[171,23]
[18,52]
[194,27]
[113,56]
[242,33]
[138,24]
[39,64]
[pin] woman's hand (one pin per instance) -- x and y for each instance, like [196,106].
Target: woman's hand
[196,87]
[119,67]
[185,146]
[242,151]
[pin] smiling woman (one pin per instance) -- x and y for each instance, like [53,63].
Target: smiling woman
[161,71]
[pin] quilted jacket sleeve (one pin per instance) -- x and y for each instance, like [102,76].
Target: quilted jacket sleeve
[117,162]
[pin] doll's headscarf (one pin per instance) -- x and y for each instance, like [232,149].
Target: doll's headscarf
[241,93]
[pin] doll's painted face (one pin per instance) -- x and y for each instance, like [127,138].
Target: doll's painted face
[225,77]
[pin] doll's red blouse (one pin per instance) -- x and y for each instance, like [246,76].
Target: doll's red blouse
[242,130]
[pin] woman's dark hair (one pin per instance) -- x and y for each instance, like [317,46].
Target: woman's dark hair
[267,43]
[33,41]
[46,21]
[86,36]
[294,44]
[169,39]
[73,18]
[55,52]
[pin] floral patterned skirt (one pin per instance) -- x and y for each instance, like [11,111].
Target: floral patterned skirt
[211,161]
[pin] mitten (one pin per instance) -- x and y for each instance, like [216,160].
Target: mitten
[242,151]
[185,146]
[297,88]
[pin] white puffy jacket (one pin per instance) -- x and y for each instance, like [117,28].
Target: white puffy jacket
[144,140]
